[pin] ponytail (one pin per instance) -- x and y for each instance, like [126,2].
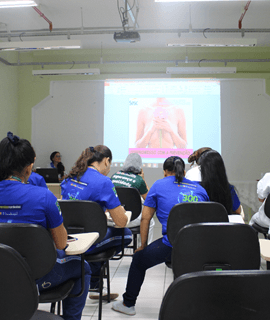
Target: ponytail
[89,156]
[176,165]
[98,153]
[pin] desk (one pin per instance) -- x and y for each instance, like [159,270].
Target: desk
[81,243]
[55,189]
[236,218]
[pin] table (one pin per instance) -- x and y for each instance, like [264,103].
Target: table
[55,189]
[81,242]
[236,218]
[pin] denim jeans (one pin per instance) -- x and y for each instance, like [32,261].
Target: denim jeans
[155,253]
[68,267]
[113,238]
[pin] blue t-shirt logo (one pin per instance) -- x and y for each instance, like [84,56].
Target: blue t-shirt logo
[187,197]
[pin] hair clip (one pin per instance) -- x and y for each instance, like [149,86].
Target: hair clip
[92,149]
[13,139]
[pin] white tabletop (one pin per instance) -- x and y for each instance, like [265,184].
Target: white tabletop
[265,249]
[81,242]
[236,218]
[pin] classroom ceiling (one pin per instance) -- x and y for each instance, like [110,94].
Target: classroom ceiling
[95,21]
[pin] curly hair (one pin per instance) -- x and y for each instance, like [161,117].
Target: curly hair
[195,156]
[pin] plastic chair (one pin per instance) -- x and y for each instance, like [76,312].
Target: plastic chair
[87,216]
[215,246]
[18,290]
[257,227]
[211,295]
[131,200]
[35,244]
[183,214]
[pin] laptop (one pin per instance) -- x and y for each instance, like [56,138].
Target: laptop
[49,174]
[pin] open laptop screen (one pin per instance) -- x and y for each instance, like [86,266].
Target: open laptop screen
[49,174]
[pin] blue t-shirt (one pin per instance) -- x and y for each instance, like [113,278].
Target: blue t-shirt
[92,186]
[166,192]
[25,203]
[235,199]
[37,180]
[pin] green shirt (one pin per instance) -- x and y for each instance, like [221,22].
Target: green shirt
[129,179]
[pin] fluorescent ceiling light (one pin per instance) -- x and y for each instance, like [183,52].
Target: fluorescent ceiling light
[40,45]
[66,72]
[218,42]
[200,0]
[199,70]
[18,3]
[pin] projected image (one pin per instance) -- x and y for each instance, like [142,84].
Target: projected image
[161,124]
[159,118]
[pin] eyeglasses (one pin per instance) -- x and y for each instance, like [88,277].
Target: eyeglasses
[58,156]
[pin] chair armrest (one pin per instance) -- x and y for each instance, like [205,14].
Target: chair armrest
[128,214]
[81,243]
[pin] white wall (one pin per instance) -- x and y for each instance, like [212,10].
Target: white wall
[71,119]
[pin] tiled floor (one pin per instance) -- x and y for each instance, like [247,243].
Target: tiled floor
[156,282]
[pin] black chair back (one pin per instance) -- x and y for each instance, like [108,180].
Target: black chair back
[267,206]
[83,216]
[131,200]
[194,212]
[18,291]
[214,246]
[218,295]
[33,242]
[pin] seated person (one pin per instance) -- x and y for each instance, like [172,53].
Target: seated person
[174,188]
[263,190]
[90,171]
[38,206]
[37,180]
[56,163]
[215,182]
[132,176]
[194,173]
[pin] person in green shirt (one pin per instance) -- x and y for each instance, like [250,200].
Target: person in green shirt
[132,176]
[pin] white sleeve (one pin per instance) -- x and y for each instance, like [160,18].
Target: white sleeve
[263,186]
[194,174]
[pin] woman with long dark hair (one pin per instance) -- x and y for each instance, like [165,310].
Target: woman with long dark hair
[88,180]
[215,181]
[174,188]
[55,158]
[25,203]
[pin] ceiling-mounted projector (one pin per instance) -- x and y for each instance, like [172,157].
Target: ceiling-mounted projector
[127,36]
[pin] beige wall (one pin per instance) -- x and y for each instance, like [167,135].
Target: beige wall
[9,100]
[20,91]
